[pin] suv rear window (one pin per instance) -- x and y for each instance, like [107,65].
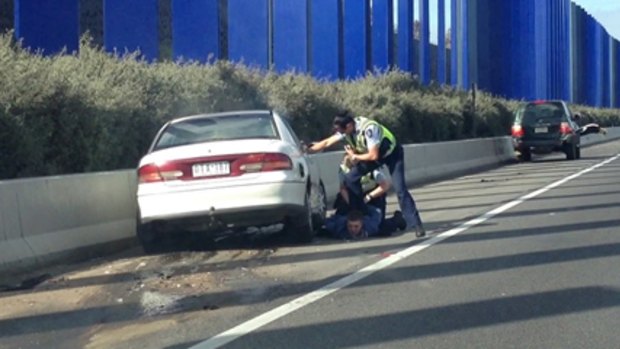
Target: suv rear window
[218,128]
[547,112]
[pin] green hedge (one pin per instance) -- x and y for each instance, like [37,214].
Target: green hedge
[96,112]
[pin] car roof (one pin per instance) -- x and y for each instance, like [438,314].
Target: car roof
[211,115]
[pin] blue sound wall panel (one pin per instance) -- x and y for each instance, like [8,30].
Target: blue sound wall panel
[464,54]
[290,35]
[405,35]
[248,32]
[356,38]
[579,79]
[527,86]
[567,88]
[616,73]
[593,68]
[605,70]
[425,49]
[50,25]
[325,42]
[441,41]
[382,34]
[543,43]
[454,45]
[132,26]
[196,29]
[484,65]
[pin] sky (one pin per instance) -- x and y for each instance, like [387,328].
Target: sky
[606,12]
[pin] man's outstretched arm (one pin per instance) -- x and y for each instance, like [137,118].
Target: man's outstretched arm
[325,143]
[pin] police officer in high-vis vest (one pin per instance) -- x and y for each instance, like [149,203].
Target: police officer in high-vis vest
[370,145]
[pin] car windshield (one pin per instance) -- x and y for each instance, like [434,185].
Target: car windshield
[547,112]
[218,128]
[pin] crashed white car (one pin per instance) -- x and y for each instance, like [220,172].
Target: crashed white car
[224,172]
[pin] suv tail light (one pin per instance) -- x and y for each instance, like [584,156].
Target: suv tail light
[237,165]
[565,128]
[517,131]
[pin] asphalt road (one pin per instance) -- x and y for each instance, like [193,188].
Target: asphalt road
[523,256]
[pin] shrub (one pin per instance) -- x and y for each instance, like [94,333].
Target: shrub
[96,111]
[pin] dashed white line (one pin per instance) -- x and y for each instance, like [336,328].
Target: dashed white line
[285,309]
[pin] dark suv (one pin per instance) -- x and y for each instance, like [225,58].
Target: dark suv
[542,127]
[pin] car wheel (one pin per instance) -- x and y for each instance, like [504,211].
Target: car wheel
[147,236]
[570,150]
[318,217]
[526,155]
[300,227]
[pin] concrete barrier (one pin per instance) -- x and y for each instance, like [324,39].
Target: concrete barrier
[65,218]
[592,139]
[431,161]
[69,218]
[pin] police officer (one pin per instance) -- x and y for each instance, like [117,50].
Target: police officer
[375,186]
[370,145]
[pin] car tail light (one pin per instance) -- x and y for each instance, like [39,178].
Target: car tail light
[565,128]
[263,162]
[517,131]
[149,173]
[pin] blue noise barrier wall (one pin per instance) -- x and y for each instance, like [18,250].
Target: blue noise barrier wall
[196,29]
[248,32]
[405,35]
[48,25]
[356,38]
[325,38]
[290,35]
[382,34]
[131,26]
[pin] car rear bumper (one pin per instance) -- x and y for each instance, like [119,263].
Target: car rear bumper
[542,145]
[243,205]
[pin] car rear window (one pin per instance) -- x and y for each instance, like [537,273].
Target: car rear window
[548,112]
[218,128]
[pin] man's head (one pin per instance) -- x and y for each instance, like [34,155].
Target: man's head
[355,223]
[344,122]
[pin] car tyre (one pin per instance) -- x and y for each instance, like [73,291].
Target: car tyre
[318,218]
[300,227]
[147,237]
[571,151]
[526,155]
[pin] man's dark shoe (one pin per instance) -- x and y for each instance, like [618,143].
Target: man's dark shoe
[400,221]
[420,231]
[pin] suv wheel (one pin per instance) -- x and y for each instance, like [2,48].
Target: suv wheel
[571,151]
[300,227]
[578,153]
[526,155]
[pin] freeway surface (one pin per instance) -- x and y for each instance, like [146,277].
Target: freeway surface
[523,256]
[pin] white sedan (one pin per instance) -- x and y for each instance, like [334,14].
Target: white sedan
[224,172]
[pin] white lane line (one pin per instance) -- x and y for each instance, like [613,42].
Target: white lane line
[285,309]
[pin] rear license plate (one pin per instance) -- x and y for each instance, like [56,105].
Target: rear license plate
[211,169]
[541,130]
